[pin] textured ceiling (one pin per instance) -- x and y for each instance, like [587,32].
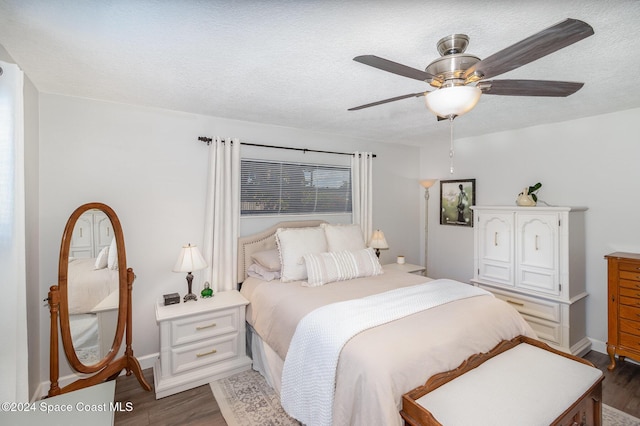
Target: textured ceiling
[289,63]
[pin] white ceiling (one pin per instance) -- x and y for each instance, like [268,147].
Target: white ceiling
[289,63]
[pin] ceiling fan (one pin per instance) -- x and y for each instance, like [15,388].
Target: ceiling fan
[460,78]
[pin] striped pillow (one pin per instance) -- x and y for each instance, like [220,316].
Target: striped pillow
[323,268]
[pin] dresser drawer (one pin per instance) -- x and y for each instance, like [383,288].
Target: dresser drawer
[203,354]
[548,331]
[630,292]
[630,275]
[204,326]
[630,301]
[630,312]
[635,285]
[531,307]
[631,327]
[629,266]
[630,341]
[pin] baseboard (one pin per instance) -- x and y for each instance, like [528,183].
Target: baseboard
[598,346]
[146,361]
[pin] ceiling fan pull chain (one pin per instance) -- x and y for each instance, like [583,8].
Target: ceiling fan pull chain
[451,152]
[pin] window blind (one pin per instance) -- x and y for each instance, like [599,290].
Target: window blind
[280,188]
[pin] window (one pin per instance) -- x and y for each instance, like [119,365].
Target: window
[278,188]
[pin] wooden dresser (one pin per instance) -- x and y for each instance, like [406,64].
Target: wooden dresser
[624,306]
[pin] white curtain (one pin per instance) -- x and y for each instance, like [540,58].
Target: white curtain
[13,304]
[362,187]
[222,214]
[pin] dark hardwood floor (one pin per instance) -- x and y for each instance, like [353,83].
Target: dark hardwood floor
[193,407]
[621,390]
[621,387]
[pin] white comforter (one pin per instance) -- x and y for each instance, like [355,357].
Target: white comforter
[87,286]
[308,378]
[380,364]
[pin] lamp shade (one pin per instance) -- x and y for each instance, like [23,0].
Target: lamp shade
[455,100]
[427,183]
[378,241]
[190,260]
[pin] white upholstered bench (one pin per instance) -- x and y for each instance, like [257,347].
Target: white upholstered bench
[519,382]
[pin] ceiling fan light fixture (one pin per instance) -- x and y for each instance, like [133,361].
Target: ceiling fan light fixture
[452,101]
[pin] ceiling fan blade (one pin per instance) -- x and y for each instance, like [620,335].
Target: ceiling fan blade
[394,67]
[530,49]
[397,98]
[529,87]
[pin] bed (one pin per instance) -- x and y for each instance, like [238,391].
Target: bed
[88,286]
[378,364]
[93,289]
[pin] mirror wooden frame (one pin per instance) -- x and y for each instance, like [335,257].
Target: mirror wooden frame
[107,368]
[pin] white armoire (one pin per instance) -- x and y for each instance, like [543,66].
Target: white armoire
[534,259]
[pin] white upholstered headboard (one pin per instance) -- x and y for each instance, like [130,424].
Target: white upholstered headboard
[264,240]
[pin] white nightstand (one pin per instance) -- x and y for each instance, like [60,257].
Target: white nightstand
[405,267]
[200,342]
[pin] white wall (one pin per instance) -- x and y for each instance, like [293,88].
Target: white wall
[590,162]
[149,167]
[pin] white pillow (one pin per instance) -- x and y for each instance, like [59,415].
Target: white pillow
[293,244]
[102,259]
[344,237]
[269,259]
[112,262]
[323,268]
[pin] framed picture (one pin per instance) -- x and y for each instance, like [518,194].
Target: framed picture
[456,196]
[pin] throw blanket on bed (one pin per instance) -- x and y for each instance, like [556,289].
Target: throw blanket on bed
[309,373]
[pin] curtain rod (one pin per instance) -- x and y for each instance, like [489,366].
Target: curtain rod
[305,150]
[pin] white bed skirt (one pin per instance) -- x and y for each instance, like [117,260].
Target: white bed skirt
[266,361]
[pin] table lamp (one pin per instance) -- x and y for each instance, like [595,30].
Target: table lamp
[190,260]
[378,242]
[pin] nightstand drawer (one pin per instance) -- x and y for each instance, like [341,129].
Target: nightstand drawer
[203,354]
[528,306]
[204,326]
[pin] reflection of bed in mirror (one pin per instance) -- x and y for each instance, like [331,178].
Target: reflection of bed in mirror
[93,306]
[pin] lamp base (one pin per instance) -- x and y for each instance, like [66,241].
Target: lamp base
[190,296]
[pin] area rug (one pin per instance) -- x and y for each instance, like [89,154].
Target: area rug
[246,399]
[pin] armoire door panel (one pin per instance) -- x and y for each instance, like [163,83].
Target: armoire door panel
[495,251]
[496,272]
[540,280]
[104,232]
[537,252]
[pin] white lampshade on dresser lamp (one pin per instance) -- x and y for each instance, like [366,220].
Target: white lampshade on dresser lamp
[378,242]
[190,260]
